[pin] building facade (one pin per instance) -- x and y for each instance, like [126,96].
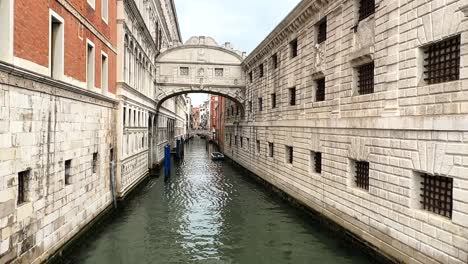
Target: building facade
[358,110]
[57,116]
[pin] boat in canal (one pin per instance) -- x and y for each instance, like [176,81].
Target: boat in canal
[217,156]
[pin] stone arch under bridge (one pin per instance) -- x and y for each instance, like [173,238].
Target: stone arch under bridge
[201,66]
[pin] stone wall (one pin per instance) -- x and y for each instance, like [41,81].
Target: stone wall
[404,129]
[44,123]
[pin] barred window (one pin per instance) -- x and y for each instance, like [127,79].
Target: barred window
[260,104]
[274,61]
[293,47]
[242,142]
[271,149]
[322,30]
[273,100]
[366,78]
[366,8]
[67,172]
[219,72]
[442,61]
[260,71]
[292,96]
[23,180]
[250,77]
[316,161]
[436,194]
[95,162]
[235,141]
[250,106]
[258,146]
[184,71]
[320,92]
[362,174]
[289,154]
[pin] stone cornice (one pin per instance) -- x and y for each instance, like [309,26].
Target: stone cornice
[55,84]
[72,10]
[174,11]
[295,20]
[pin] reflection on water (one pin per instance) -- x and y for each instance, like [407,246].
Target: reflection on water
[208,212]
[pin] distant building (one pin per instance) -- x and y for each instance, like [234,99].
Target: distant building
[195,118]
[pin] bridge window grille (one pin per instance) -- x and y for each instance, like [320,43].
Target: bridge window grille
[317,162]
[273,100]
[261,71]
[366,8]
[293,47]
[292,96]
[260,104]
[274,61]
[436,194]
[289,154]
[362,174]
[320,92]
[184,71]
[219,72]
[23,179]
[322,30]
[442,61]
[271,149]
[366,78]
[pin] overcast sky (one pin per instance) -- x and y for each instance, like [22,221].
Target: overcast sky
[244,23]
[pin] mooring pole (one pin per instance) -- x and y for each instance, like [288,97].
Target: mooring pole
[167,160]
[178,149]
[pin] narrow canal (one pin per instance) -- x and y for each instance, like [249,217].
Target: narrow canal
[208,212]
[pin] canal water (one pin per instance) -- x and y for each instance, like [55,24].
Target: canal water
[209,212]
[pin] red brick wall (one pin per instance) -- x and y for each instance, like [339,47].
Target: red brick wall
[31,36]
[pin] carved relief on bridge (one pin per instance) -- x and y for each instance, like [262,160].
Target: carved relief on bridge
[201,65]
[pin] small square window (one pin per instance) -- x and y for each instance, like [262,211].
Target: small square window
[260,71]
[95,162]
[23,186]
[274,61]
[361,174]
[289,154]
[67,172]
[260,104]
[436,194]
[293,47]
[320,92]
[366,8]
[271,149]
[442,61]
[184,71]
[219,72]
[322,30]
[273,100]
[292,96]
[366,78]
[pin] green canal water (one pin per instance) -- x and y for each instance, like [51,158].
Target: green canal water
[210,212]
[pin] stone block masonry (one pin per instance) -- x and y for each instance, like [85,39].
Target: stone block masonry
[392,142]
[44,125]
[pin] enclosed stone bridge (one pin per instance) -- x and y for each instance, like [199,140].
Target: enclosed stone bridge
[201,66]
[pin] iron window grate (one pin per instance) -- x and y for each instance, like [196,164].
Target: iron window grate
[260,104]
[289,153]
[184,71]
[250,77]
[366,78]
[318,162]
[219,72]
[436,194]
[274,61]
[292,96]
[67,172]
[362,174]
[320,93]
[366,8]
[22,179]
[442,61]
[293,47]
[322,30]
[271,149]
[273,100]
[260,70]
